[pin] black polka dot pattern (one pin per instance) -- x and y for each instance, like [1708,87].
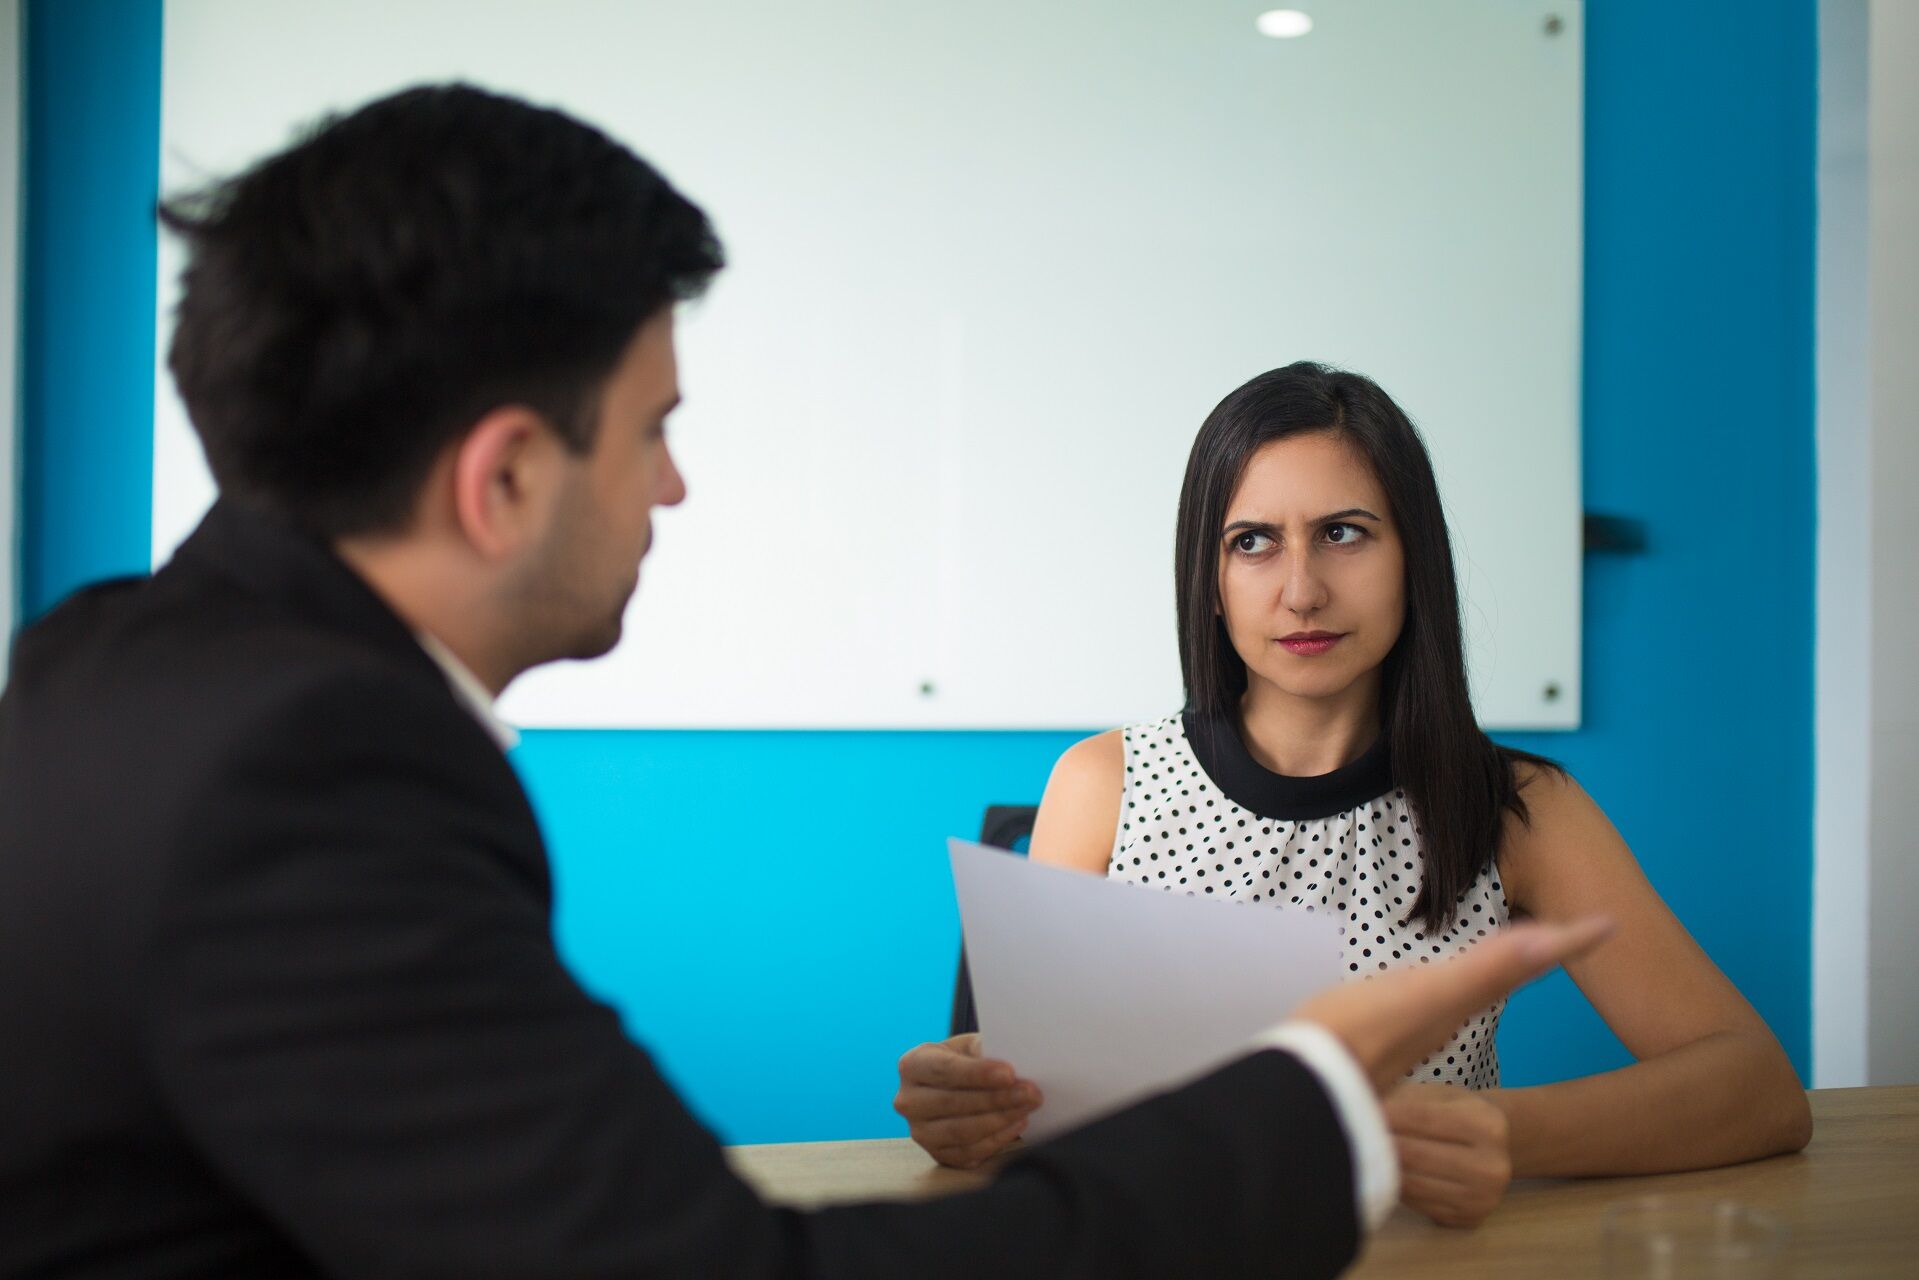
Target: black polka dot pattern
[1178,831]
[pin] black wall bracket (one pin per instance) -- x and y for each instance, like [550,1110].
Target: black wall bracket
[1620,535]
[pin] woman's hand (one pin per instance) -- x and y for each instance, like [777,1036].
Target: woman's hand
[1454,1157]
[962,1108]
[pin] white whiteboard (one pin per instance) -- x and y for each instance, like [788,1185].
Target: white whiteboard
[991,266]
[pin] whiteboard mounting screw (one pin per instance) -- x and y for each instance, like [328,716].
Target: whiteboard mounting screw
[1554,24]
[926,688]
[1551,692]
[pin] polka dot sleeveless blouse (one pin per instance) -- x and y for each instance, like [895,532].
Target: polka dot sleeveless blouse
[1201,816]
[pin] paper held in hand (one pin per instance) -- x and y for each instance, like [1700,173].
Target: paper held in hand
[1101,992]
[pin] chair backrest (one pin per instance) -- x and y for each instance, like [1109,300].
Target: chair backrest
[1004,826]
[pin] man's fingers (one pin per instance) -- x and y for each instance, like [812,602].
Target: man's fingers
[1490,968]
[917,1102]
[1390,1022]
[1516,955]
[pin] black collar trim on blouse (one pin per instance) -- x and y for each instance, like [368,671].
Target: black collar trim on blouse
[1249,784]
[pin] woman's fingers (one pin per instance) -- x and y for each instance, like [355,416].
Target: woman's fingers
[918,1102]
[1445,1112]
[964,1132]
[954,1064]
[1487,1168]
[961,1107]
[1455,1161]
[1447,1203]
[979,1152]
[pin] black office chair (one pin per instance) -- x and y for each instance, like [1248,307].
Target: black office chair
[1004,827]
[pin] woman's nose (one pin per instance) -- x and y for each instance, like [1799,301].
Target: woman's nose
[1303,591]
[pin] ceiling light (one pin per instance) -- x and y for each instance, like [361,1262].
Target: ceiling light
[1283,24]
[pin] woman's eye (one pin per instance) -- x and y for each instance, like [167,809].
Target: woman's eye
[1341,535]
[1250,543]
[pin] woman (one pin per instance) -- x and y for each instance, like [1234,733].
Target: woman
[1328,758]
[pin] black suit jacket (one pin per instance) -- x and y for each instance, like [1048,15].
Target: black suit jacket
[278,997]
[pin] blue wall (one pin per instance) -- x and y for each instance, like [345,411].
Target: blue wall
[771,910]
[1701,145]
[92,144]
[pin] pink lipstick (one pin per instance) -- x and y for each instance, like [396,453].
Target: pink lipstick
[1309,643]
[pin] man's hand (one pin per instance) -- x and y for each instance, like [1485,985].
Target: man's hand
[1454,1162]
[1390,1022]
[962,1108]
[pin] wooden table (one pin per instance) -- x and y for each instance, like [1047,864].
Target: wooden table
[1850,1200]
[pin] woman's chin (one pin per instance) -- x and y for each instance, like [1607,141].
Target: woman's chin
[1327,687]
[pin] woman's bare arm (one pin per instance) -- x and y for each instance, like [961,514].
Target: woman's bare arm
[1711,1085]
[1079,813]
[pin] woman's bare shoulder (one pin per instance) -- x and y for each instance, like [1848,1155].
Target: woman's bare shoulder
[1550,795]
[1100,758]
[1558,838]
[1080,812]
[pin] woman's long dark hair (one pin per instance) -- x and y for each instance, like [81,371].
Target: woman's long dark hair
[1460,782]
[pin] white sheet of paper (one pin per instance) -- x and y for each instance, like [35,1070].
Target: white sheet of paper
[1102,992]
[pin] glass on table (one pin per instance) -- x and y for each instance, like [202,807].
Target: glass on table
[1674,1238]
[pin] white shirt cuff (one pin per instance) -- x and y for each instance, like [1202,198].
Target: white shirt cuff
[1375,1161]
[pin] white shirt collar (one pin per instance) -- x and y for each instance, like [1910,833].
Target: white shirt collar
[468,689]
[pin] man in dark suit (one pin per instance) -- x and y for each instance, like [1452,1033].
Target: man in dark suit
[278,995]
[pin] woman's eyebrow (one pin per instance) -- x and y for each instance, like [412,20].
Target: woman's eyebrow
[1262,525]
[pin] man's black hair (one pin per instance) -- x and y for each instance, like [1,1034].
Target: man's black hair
[353,304]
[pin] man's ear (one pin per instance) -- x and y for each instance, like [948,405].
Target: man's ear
[505,477]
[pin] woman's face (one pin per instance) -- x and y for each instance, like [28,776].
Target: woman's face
[1311,571]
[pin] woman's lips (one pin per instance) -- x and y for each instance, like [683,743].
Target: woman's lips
[1309,643]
